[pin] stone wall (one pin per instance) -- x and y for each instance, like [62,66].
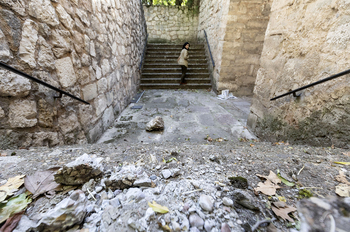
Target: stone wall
[171,24]
[89,48]
[213,17]
[236,30]
[244,39]
[305,41]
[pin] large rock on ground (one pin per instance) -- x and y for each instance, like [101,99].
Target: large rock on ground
[79,171]
[69,212]
[155,124]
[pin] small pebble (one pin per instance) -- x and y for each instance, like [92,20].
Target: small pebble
[153,177]
[227,201]
[206,203]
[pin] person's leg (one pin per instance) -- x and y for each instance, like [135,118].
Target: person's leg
[184,69]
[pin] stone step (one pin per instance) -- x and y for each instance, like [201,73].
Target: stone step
[175,46]
[175,70]
[171,65]
[175,86]
[173,61]
[173,53]
[175,50]
[172,56]
[174,80]
[174,75]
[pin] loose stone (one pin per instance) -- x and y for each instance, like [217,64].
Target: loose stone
[206,202]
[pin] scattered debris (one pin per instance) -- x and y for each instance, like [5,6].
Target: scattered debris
[158,208]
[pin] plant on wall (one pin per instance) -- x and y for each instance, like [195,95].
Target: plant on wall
[189,3]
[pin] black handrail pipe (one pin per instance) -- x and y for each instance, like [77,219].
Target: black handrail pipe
[312,84]
[143,54]
[211,57]
[7,67]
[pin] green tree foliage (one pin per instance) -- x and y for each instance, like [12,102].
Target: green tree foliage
[189,3]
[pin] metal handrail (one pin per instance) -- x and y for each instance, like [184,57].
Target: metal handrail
[312,84]
[211,57]
[7,67]
[143,54]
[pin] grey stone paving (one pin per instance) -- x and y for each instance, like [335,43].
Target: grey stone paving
[189,115]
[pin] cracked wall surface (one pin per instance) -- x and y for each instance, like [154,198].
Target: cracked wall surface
[305,41]
[89,48]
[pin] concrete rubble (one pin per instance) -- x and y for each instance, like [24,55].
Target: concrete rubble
[155,124]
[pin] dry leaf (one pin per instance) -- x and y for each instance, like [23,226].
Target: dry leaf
[342,178]
[41,182]
[343,190]
[280,204]
[158,208]
[12,222]
[282,199]
[283,212]
[272,177]
[267,188]
[10,187]
[14,205]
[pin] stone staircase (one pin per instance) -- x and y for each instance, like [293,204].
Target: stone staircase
[161,71]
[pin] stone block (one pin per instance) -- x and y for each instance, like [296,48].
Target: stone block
[44,11]
[28,42]
[13,85]
[95,132]
[2,113]
[16,6]
[64,17]
[100,104]
[22,113]
[90,92]
[102,85]
[5,53]
[65,72]
[49,139]
[108,118]
[46,58]
[46,114]
[106,68]
[68,123]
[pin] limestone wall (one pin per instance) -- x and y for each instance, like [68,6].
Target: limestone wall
[305,41]
[90,48]
[236,30]
[213,16]
[171,24]
[244,39]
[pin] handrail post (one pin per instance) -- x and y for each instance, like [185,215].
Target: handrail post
[11,69]
[211,57]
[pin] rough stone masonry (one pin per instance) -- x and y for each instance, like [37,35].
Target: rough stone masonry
[89,48]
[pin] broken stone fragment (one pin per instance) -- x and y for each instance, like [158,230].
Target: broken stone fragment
[125,177]
[69,212]
[244,199]
[155,124]
[80,171]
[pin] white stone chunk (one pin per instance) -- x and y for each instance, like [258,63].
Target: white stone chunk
[13,85]
[43,10]
[206,202]
[100,104]
[5,53]
[46,58]
[90,92]
[28,42]
[106,68]
[102,85]
[22,113]
[65,72]
[65,17]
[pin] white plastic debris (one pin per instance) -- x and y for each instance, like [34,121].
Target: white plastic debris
[226,95]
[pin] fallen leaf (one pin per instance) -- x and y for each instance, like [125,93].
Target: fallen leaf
[284,181]
[41,182]
[343,163]
[3,154]
[342,178]
[252,145]
[10,187]
[158,208]
[343,190]
[283,212]
[282,199]
[267,188]
[12,222]
[272,177]
[14,205]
